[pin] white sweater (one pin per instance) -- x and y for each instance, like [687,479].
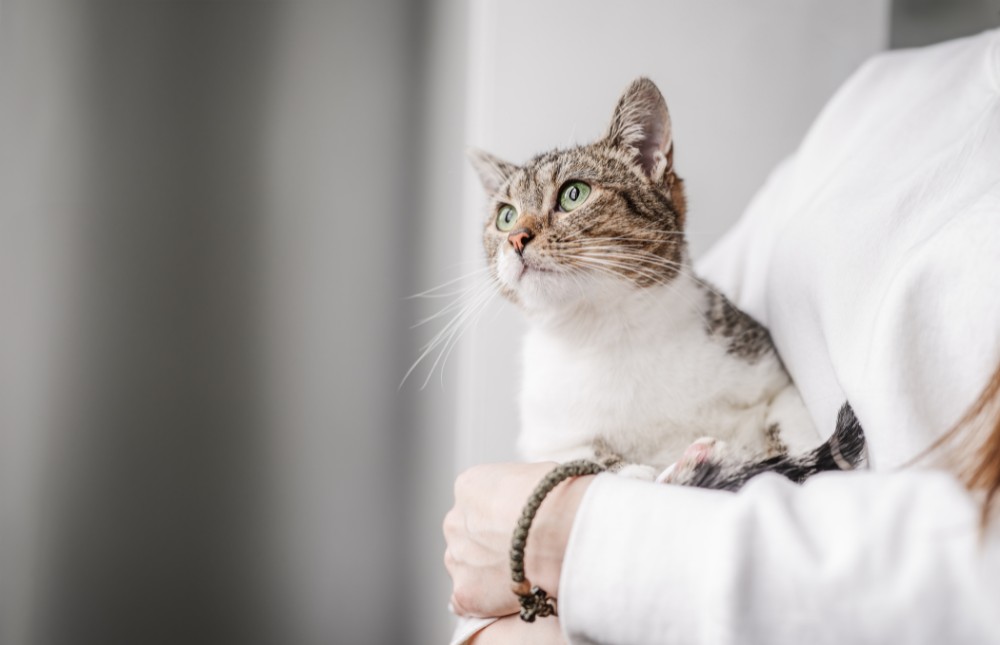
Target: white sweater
[874,257]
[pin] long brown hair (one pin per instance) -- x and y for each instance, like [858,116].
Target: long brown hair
[972,447]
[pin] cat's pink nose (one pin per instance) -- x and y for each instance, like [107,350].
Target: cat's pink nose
[519,239]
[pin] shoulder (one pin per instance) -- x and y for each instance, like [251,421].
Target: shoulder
[879,265]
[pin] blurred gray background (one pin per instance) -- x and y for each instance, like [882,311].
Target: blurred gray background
[211,214]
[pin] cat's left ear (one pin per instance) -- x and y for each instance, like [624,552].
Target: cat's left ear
[493,171]
[642,123]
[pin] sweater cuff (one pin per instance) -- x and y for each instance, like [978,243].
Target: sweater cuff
[637,562]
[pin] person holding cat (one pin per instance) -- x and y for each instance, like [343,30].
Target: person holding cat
[872,256]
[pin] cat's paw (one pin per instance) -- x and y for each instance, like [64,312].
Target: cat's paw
[701,451]
[637,471]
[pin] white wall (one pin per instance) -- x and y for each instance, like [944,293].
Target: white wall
[743,81]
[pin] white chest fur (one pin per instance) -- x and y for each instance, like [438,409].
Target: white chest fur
[638,370]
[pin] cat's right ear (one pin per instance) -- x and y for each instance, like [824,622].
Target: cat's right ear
[493,172]
[641,124]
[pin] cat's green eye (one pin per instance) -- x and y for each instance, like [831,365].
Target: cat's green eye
[573,194]
[506,217]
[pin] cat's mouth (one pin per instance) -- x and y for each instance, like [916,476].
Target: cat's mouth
[534,269]
[530,271]
[527,267]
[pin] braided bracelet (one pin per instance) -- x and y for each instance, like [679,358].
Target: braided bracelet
[535,601]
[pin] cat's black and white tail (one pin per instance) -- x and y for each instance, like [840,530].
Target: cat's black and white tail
[845,450]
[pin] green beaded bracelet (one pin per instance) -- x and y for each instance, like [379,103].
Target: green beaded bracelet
[535,602]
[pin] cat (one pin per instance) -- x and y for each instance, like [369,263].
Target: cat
[631,359]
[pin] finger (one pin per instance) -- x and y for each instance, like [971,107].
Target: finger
[450,562]
[452,524]
[462,602]
[464,482]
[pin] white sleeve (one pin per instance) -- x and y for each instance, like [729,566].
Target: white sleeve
[844,558]
[466,628]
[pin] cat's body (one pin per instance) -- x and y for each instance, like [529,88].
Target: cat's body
[645,374]
[631,359]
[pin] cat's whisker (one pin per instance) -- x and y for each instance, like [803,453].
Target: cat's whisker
[458,302]
[439,343]
[446,294]
[617,244]
[461,305]
[630,241]
[625,267]
[626,256]
[607,266]
[629,263]
[440,340]
[453,341]
[661,304]
[430,293]
[642,256]
[612,272]
[482,300]
[616,248]
[647,261]
[653,235]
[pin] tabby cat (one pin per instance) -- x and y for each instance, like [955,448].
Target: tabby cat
[631,359]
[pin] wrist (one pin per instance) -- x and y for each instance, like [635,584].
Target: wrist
[546,546]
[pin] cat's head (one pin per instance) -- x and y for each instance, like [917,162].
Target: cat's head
[606,217]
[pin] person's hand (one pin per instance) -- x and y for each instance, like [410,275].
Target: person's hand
[478,530]
[511,630]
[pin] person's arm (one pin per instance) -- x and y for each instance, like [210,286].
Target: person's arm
[857,557]
[845,558]
[478,531]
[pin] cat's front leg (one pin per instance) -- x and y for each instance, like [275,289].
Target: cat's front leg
[605,455]
[703,455]
[601,452]
[789,428]
[637,471]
